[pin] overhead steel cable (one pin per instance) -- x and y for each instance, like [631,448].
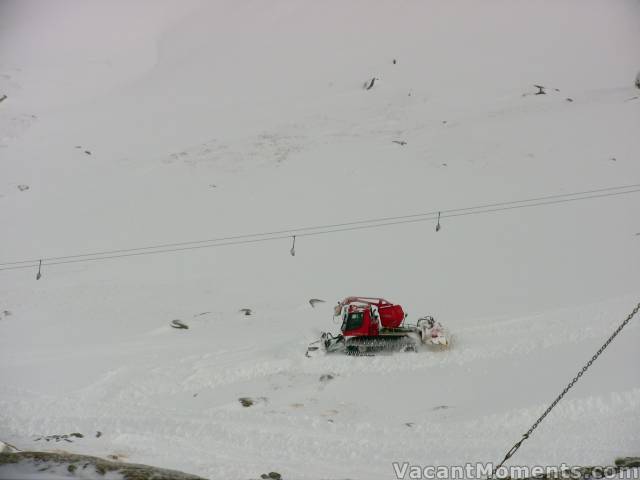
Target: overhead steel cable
[326,229]
[569,386]
[291,231]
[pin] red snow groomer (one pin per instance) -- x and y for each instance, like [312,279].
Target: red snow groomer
[374,324]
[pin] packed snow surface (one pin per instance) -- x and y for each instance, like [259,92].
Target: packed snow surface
[128,124]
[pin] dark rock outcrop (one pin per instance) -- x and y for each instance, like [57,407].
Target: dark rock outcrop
[77,465]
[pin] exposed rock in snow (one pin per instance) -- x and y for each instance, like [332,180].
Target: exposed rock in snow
[249,401]
[369,84]
[271,476]
[541,90]
[628,462]
[67,437]
[47,465]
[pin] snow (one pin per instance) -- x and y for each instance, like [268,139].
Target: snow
[215,119]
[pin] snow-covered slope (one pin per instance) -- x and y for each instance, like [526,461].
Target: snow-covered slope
[213,119]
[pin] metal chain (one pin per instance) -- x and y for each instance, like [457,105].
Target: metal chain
[515,448]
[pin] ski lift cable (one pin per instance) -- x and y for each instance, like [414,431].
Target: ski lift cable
[318,230]
[137,252]
[434,216]
[302,229]
[570,385]
[291,231]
